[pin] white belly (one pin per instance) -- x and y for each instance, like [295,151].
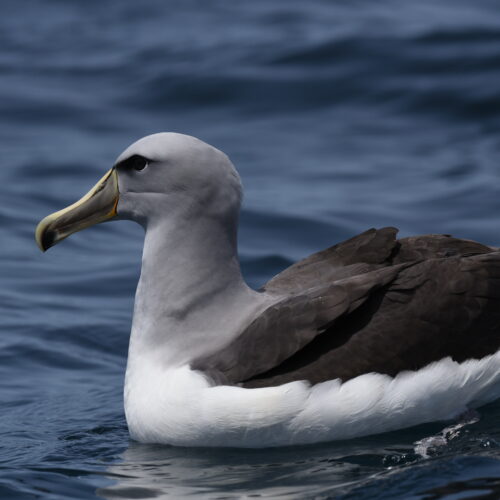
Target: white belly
[181,407]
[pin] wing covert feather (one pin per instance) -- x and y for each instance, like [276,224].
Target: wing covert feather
[291,323]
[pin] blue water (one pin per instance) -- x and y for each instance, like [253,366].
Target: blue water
[340,116]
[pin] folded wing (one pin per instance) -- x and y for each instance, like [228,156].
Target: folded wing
[370,304]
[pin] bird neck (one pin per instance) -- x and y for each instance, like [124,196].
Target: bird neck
[191,296]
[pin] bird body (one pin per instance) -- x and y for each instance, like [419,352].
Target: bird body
[370,335]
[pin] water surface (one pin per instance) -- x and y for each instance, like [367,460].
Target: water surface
[340,116]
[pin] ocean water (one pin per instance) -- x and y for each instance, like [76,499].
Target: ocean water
[340,116]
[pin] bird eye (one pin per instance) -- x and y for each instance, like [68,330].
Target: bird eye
[139,163]
[135,162]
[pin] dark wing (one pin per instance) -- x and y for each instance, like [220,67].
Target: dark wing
[290,323]
[370,250]
[436,246]
[361,254]
[432,310]
[369,304]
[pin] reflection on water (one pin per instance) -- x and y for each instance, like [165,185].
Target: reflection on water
[153,471]
[358,467]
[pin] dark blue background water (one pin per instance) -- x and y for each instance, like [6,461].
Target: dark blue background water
[339,116]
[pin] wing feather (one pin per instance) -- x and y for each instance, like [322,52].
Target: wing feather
[369,304]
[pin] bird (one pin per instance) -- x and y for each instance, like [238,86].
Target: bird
[371,335]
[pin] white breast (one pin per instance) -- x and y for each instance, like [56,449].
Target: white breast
[181,407]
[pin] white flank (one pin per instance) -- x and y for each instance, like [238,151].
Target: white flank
[181,407]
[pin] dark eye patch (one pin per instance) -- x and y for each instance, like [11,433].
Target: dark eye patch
[135,162]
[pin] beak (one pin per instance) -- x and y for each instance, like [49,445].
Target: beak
[98,205]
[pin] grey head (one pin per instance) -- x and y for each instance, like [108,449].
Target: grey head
[161,176]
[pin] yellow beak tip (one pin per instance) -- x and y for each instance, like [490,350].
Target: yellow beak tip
[98,205]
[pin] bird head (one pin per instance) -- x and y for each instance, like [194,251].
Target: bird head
[164,175]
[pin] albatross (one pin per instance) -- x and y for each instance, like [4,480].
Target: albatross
[370,335]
